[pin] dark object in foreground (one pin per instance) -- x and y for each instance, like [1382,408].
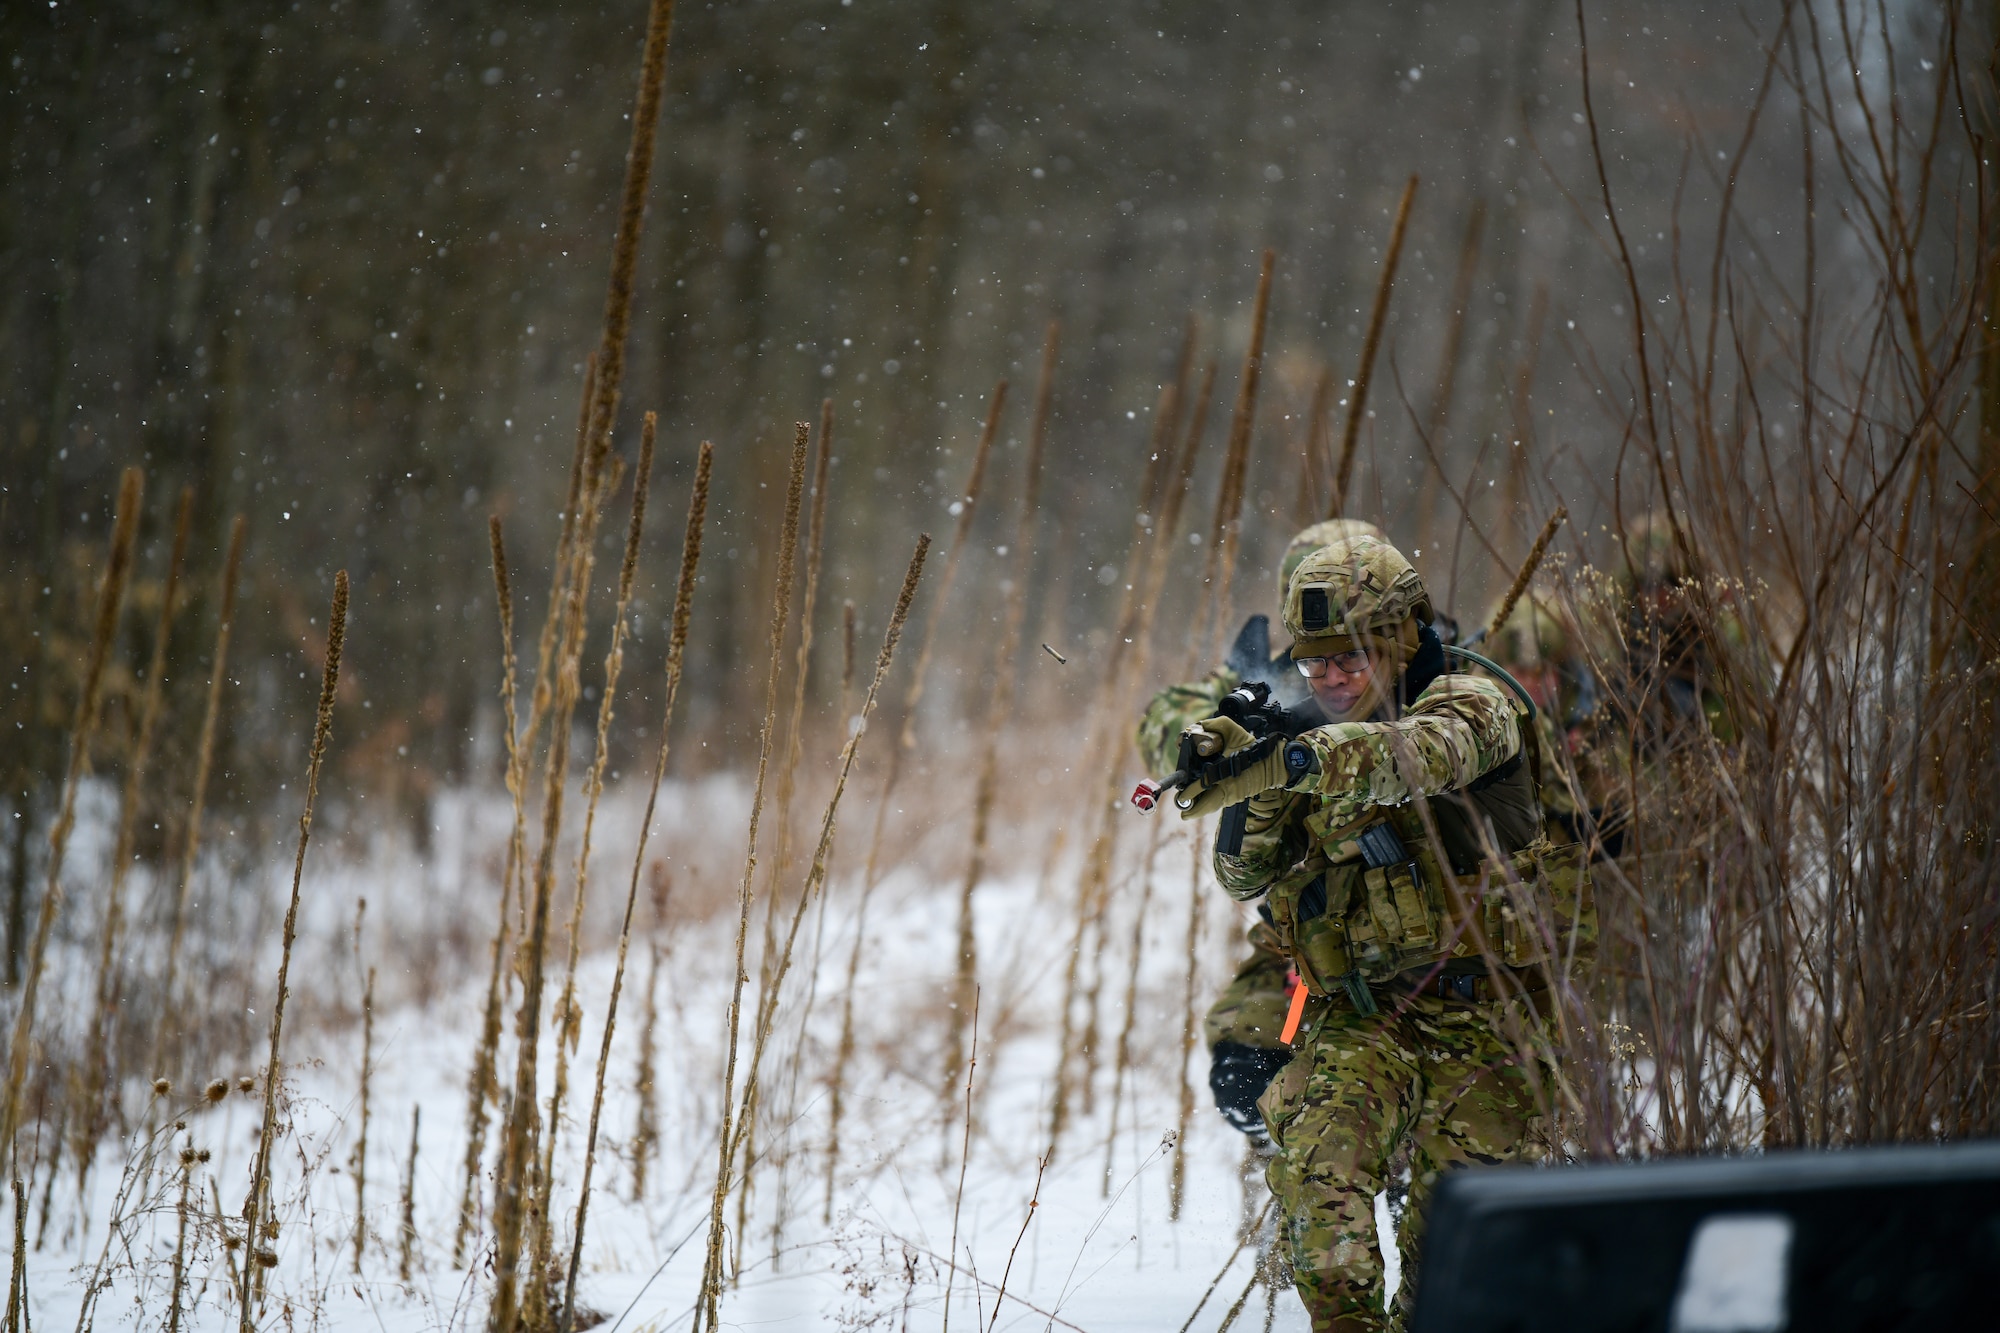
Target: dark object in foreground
[1237,1076]
[1819,1242]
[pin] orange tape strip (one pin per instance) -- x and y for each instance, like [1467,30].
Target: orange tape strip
[1298,1011]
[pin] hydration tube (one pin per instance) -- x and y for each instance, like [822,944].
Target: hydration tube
[1506,676]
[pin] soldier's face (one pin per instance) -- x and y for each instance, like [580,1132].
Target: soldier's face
[1338,692]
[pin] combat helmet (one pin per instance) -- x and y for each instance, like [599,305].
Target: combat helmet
[1359,592]
[1535,635]
[1324,533]
[1650,558]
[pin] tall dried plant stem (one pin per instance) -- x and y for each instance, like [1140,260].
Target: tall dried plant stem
[1378,316]
[801,669]
[1034,1202]
[676,657]
[361,1144]
[254,1204]
[781,604]
[521,747]
[179,1289]
[999,713]
[1242,421]
[514,1194]
[788,773]
[1526,573]
[1177,1182]
[17,1282]
[964,1160]
[646,1130]
[482,1083]
[604,379]
[204,762]
[110,596]
[407,1240]
[98,1070]
[1454,346]
[846,659]
[567,1020]
[844,1050]
[569,597]
[631,217]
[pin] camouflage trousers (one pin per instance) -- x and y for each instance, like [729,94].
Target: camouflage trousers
[1251,1009]
[1438,1075]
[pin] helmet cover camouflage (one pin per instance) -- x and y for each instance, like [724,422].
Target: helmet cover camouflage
[1535,634]
[1649,557]
[1324,533]
[1357,590]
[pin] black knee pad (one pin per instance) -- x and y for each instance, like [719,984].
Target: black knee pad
[1238,1075]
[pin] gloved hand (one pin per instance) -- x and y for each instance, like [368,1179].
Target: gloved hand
[1217,736]
[1246,767]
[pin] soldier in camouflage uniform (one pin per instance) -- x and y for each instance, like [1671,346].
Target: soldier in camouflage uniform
[1419,984]
[1243,1024]
[1536,646]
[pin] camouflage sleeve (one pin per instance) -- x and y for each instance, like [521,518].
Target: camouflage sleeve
[1270,848]
[1173,710]
[1459,728]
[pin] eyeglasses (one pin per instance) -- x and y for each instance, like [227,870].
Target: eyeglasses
[1351,663]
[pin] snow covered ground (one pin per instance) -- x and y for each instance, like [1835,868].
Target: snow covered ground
[1101,1251]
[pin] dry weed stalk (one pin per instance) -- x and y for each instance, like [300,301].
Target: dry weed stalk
[97,1067]
[1526,572]
[566,1020]
[646,1130]
[361,1143]
[204,762]
[181,1215]
[1448,359]
[631,217]
[1242,420]
[846,659]
[17,1283]
[781,605]
[482,1083]
[110,596]
[1000,710]
[964,1160]
[1034,1202]
[254,1203]
[1190,1023]
[676,656]
[570,594]
[788,780]
[514,1196]
[967,505]
[801,670]
[406,1242]
[1378,315]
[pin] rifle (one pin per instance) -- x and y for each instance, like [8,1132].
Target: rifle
[1251,707]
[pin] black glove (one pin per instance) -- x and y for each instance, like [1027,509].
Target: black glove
[1238,1075]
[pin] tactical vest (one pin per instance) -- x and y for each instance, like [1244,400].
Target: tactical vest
[1347,924]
